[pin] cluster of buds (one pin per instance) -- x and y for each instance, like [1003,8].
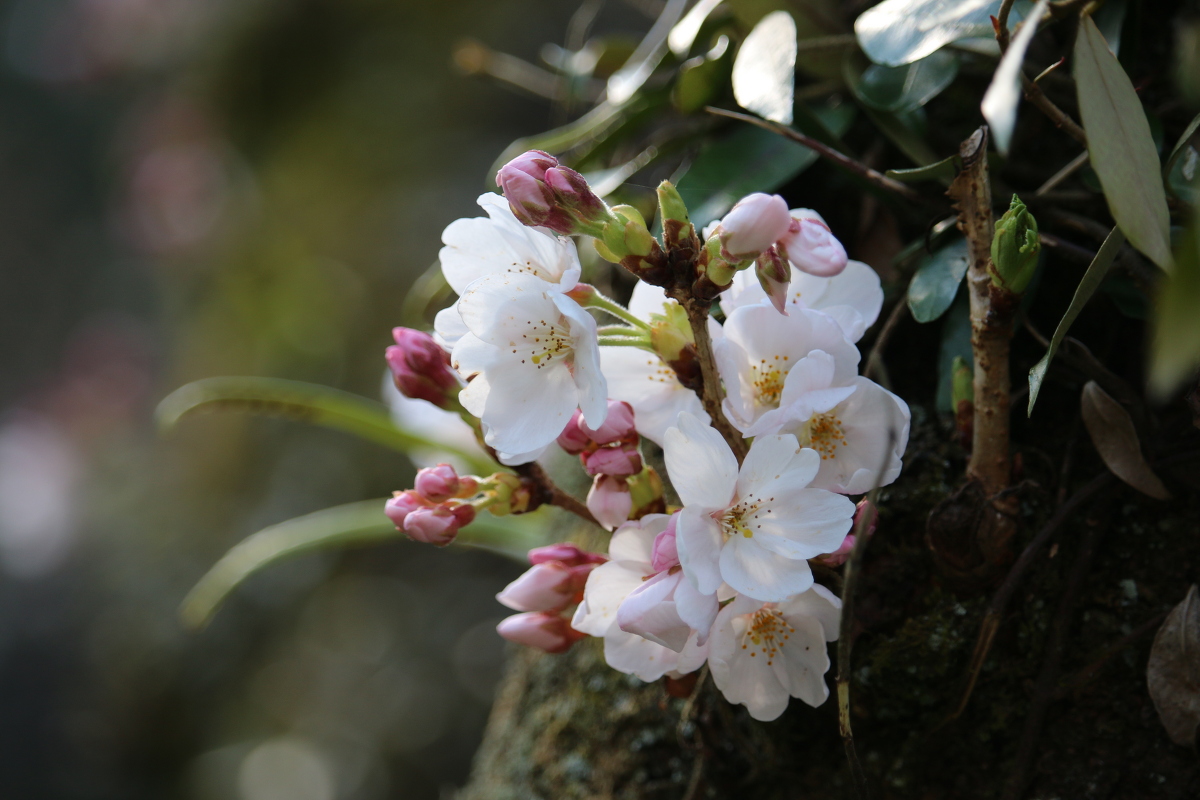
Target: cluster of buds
[421,368]
[543,593]
[623,487]
[435,509]
[760,230]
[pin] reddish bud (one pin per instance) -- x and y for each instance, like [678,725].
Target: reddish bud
[437,484]
[812,247]
[665,553]
[421,368]
[622,460]
[574,439]
[548,632]
[565,552]
[617,425]
[438,525]
[755,223]
[403,504]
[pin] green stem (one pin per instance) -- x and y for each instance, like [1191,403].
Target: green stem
[619,311]
[624,341]
[620,330]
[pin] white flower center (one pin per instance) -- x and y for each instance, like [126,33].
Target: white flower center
[544,341]
[767,632]
[767,378]
[824,433]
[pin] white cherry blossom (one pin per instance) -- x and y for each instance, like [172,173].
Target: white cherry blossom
[853,297]
[630,563]
[763,654]
[530,358]
[752,527]
[758,353]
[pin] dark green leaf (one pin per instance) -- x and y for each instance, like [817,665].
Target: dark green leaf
[348,525]
[936,281]
[942,171]
[1183,165]
[1175,348]
[1121,147]
[1083,293]
[747,159]
[906,131]
[304,402]
[902,89]
[956,342]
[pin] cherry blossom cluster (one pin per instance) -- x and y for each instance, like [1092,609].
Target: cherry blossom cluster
[764,464]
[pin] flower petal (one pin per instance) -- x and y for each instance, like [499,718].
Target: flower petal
[803,661]
[698,539]
[757,572]
[643,380]
[702,468]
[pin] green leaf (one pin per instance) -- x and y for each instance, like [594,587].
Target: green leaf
[898,32]
[936,281]
[908,87]
[942,171]
[956,343]
[747,159]
[1083,293]
[999,105]
[352,524]
[1183,165]
[764,71]
[1121,147]
[304,402]
[1175,346]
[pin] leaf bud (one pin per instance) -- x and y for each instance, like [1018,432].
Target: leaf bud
[1015,248]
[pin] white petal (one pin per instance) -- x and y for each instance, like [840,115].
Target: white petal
[633,655]
[607,585]
[761,574]
[767,460]
[650,611]
[819,603]
[503,309]
[875,427]
[802,523]
[643,380]
[701,466]
[698,539]
[634,541]
[647,300]
[585,366]
[698,610]
[803,661]
[523,411]
[448,327]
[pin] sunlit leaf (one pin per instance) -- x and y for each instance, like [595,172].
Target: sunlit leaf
[749,159]
[1115,437]
[764,71]
[897,32]
[999,105]
[625,82]
[956,343]
[1173,671]
[1083,293]
[303,402]
[684,33]
[942,171]
[1121,147]
[908,87]
[1175,346]
[352,524]
[936,281]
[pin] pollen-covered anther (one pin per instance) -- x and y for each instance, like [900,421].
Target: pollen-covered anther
[767,632]
[546,341]
[767,379]
[826,434]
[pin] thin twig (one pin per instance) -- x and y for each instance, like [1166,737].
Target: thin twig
[991,620]
[711,393]
[1070,169]
[875,360]
[552,494]
[1044,692]
[825,151]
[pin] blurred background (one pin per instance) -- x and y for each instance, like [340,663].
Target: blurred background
[191,188]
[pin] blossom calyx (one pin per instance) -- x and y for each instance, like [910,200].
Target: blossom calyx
[1015,248]
[421,368]
[646,494]
[671,333]
[774,275]
[542,192]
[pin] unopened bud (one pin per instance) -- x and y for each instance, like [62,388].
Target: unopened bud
[839,556]
[811,247]
[755,223]
[565,552]
[867,515]
[438,525]
[548,632]
[670,332]
[437,484]
[421,368]
[1015,248]
[677,225]
[542,192]
[621,460]
[665,553]
[549,586]
[403,504]
[609,501]
[618,424]
[574,439]
[774,275]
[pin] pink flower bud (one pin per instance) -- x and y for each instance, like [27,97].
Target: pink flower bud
[610,501]
[540,191]
[574,438]
[543,587]
[617,425]
[839,556]
[421,368]
[811,247]
[438,525]
[548,632]
[753,225]
[621,460]
[437,484]
[665,553]
[403,504]
[774,274]
[863,508]
[565,552]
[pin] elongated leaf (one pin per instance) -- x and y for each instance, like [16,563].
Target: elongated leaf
[908,87]
[936,281]
[764,71]
[305,402]
[942,171]
[999,105]
[684,33]
[1183,165]
[352,524]
[1083,293]
[897,32]
[1175,347]
[1112,432]
[1121,147]
[1173,671]
[625,82]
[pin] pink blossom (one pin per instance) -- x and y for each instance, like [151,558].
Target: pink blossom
[421,368]
[548,632]
[565,552]
[621,461]
[618,425]
[754,224]
[812,247]
[437,484]
[610,501]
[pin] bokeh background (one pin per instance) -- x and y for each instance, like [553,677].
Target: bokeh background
[192,188]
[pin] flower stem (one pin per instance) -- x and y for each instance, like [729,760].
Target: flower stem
[619,311]
[624,341]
